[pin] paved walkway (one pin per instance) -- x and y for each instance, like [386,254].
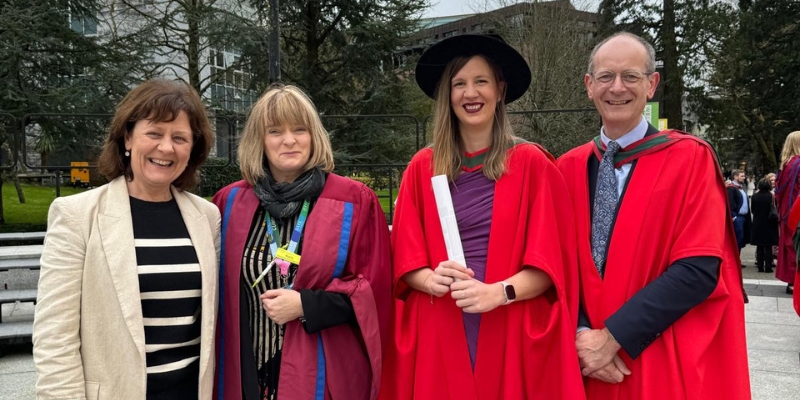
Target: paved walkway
[773,342]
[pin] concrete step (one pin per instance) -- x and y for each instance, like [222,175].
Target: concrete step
[19,252]
[19,263]
[20,236]
[23,295]
[15,330]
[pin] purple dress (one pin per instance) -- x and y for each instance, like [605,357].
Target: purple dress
[473,198]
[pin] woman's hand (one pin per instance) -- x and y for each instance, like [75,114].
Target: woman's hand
[282,305]
[438,283]
[474,296]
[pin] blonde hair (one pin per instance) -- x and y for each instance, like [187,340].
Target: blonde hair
[447,146]
[791,147]
[278,106]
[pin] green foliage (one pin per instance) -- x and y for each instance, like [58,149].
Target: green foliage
[216,174]
[749,98]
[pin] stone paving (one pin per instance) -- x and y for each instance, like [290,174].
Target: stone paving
[773,340]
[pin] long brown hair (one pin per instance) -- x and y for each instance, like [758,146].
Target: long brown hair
[447,145]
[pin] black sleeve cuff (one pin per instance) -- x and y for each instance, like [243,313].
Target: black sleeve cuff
[323,310]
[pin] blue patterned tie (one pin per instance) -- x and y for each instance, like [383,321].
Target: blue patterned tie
[605,203]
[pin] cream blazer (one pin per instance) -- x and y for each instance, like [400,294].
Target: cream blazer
[88,332]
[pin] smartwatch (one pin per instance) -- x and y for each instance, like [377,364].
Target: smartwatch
[508,292]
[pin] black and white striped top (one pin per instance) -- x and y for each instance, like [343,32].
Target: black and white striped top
[170,286]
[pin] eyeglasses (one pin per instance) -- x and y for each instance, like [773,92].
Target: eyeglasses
[629,78]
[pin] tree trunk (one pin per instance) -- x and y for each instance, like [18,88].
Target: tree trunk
[2,214]
[673,84]
[192,52]
[20,193]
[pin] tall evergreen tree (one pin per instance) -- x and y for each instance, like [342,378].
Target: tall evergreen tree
[750,98]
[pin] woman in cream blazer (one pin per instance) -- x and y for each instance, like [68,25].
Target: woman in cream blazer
[89,332]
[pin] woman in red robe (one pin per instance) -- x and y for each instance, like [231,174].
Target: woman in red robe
[787,189]
[503,325]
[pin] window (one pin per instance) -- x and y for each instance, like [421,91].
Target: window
[84,25]
[231,77]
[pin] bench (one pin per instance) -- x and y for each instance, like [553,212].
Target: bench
[39,177]
[13,296]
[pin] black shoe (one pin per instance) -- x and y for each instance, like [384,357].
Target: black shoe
[789,289]
[760,269]
[769,269]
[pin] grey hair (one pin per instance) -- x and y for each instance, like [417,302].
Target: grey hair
[651,52]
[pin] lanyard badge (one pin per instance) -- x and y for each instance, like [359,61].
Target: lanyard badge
[285,255]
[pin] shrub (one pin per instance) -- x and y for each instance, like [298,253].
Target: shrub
[215,175]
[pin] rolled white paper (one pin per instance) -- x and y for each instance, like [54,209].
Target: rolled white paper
[447,217]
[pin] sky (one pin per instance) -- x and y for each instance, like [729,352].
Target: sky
[441,8]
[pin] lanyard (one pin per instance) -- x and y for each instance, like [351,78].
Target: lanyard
[287,252]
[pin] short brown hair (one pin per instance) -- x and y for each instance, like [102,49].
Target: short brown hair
[282,104]
[157,100]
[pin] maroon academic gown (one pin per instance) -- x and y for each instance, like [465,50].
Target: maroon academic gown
[525,350]
[345,250]
[787,189]
[674,206]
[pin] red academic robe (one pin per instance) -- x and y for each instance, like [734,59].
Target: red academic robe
[526,350]
[345,250]
[675,206]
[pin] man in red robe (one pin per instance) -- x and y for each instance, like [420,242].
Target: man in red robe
[662,305]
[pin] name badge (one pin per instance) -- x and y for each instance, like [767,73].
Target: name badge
[287,255]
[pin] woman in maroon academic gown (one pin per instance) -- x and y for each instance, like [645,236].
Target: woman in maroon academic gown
[502,326]
[787,188]
[305,265]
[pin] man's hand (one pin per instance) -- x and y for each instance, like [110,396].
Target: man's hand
[282,305]
[613,372]
[596,349]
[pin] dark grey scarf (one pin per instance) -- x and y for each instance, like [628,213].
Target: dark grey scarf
[283,199]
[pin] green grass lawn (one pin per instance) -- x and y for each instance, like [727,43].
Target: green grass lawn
[383,197]
[31,216]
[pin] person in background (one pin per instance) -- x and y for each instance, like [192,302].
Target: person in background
[305,276]
[660,279]
[500,326]
[127,299]
[765,225]
[739,208]
[787,189]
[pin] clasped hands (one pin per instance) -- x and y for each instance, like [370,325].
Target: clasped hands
[597,354]
[282,305]
[471,295]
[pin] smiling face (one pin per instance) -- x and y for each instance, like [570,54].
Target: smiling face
[621,103]
[288,149]
[160,152]
[474,94]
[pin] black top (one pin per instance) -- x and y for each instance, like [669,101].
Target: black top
[170,284]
